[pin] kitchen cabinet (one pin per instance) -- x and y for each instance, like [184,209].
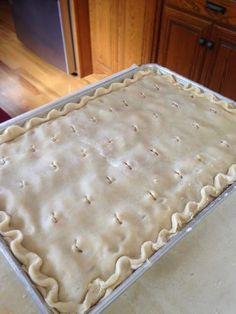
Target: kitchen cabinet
[122,33]
[221,62]
[198,40]
[180,43]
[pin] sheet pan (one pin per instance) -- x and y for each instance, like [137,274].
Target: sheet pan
[75,97]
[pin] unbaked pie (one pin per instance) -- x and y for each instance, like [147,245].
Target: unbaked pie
[88,193]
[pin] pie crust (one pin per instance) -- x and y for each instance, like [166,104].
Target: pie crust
[89,192]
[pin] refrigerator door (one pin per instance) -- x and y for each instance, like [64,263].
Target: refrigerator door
[44,27]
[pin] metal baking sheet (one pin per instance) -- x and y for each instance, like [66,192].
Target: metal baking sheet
[24,278]
[75,97]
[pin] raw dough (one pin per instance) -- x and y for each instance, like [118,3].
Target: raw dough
[87,195]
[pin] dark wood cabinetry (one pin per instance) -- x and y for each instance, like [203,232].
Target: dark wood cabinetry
[221,62]
[200,43]
[179,42]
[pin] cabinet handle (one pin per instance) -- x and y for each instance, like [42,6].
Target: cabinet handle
[210,44]
[202,41]
[215,7]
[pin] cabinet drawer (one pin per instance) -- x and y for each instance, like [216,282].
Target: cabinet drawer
[222,11]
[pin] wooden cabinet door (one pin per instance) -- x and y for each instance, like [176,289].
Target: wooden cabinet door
[220,65]
[180,49]
[122,32]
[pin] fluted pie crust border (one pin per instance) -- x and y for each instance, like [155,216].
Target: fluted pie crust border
[124,266]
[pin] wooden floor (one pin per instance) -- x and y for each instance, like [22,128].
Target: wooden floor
[26,81]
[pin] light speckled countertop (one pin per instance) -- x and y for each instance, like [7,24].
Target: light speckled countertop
[197,276]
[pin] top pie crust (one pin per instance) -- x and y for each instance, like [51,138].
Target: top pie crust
[86,196]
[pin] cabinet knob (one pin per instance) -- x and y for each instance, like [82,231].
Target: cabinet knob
[202,41]
[210,44]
